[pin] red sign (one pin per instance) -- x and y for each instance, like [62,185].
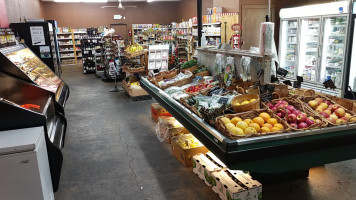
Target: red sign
[236,27]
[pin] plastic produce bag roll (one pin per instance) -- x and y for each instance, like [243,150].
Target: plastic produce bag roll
[266,38]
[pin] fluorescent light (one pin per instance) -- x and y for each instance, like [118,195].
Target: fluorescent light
[150,0]
[81,1]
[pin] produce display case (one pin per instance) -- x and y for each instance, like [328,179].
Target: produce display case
[268,155]
[20,62]
[24,105]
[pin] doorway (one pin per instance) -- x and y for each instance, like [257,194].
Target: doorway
[252,17]
[121,29]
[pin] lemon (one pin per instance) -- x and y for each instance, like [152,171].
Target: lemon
[225,120]
[250,130]
[237,131]
[243,125]
[230,126]
[252,100]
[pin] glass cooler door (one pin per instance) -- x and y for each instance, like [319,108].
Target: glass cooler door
[309,48]
[333,53]
[288,46]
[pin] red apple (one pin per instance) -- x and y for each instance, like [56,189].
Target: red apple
[340,112]
[269,105]
[340,121]
[294,125]
[324,106]
[302,125]
[347,115]
[296,112]
[282,111]
[290,108]
[326,115]
[313,104]
[327,102]
[279,115]
[309,122]
[332,120]
[301,118]
[274,109]
[291,118]
[319,100]
[334,107]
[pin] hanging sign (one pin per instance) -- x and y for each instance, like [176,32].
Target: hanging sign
[236,27]
[37,35]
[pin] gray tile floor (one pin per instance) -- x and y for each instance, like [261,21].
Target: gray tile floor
[111,152]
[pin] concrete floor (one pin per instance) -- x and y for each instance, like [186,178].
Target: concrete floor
[111,152]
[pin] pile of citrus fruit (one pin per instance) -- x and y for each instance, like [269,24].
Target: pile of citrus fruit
[264,123]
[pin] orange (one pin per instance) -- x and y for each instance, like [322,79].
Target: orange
[248,121]
[275,129]
[242,125]
[268,125]
[259,120]
[265,130]
[278,125]
[255,126]
[235,120]
[265,116]
[272,121]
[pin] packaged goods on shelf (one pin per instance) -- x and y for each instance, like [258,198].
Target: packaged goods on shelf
[235,184]
[205,165]
[167,127]
[158,111]
[184,147]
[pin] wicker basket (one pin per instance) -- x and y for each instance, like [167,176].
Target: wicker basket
[246,107]
[177,83]
[281,89]
[134,70]
[305,100]
[191,108]
[191,69]
[249,115]
[202,74]
[300,106]
[203,91]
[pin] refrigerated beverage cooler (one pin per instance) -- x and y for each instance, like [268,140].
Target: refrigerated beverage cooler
[350,86]
[313,44]
[41,37]
[20,62]
[25,105]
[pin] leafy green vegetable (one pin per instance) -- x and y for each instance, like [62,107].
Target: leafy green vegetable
[189,64]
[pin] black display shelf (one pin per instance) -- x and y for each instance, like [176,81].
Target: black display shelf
[275,154]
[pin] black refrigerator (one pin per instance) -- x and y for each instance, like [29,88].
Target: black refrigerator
[24,105]
[41,38]
[20,62]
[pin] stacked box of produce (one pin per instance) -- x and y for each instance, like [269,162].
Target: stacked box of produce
[179,80]
[167,127]
[158,111]
[235,184]
[251,124]
[205,165]
[184,147]
[132,86]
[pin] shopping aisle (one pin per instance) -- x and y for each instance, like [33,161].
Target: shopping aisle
[111,152]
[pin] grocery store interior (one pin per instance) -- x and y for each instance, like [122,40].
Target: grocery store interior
[177,99]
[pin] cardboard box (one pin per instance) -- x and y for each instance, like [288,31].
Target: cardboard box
[235,184]
[205,165]
[185,156]
[167,127]
[158,111]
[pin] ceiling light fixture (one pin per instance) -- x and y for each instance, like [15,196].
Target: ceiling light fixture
[150,0]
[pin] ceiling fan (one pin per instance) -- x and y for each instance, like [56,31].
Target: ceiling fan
[120,6]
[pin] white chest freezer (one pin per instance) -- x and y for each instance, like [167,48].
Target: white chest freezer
[24,168]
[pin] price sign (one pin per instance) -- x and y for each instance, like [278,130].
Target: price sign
[266,97]
[300,78]
[329,84]
[282,72]
[287,82]
[223,100]
[259,73]
[263,89]
[274,79]
[297,84]
[236,27]
[270,87]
